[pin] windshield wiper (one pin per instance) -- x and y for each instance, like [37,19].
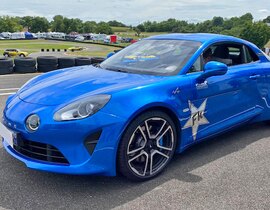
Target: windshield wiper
[97,65]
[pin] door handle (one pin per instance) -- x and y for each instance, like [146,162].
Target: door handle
[256,76]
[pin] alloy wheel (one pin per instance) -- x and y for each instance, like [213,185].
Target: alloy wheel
[150,147]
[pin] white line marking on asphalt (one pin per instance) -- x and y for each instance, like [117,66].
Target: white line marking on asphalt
[5,89]
[1,208]
[6,94]
[8,75]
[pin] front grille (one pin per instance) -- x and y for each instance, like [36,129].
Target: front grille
[39,151]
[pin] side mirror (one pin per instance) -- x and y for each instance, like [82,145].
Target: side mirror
[212,68]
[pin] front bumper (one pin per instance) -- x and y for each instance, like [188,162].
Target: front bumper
[84,168]
[68,137]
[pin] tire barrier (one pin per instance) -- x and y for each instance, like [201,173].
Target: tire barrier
[66,62]
[96,60]
[25,69]
[6,65]
[46,68]
[82,61]
[25,65]
[47,63]
[116,51]
[47,60]
[43,63]
[26,61]
[53,50]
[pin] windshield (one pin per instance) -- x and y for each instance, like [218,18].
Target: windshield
[158,57]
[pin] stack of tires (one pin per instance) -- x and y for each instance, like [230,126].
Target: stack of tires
[25,65]
[47,63]
[66,62]
[97,60]
[6,66]
[82,61]
[44,63]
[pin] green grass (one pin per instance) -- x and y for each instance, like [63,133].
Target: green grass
[32,46]
[101,53]
[127,32]
[121,29]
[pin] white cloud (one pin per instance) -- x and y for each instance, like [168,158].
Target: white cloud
[134,11]
[263,10]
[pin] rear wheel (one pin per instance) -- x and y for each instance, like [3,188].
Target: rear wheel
[22,55]
[147,146]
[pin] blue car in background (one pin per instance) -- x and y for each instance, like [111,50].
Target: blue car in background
[135,110]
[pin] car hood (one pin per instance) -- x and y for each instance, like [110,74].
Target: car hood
[67,85]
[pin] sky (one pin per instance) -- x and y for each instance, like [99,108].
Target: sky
[134,12]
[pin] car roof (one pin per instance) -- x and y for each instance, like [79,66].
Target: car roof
[200,37]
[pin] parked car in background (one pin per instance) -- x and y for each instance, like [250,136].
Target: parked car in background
[6,35]
[14,52]
[76,48]
[17,35]
[79,38]
[107,40]
[127,40]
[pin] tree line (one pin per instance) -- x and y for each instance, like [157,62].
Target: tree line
[244,26]
[58,24]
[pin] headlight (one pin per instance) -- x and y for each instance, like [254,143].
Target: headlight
[82,108]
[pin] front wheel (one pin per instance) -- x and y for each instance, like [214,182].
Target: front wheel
[22,55]
[147,146]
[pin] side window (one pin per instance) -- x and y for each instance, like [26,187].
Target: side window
[236,54]
[221,53]
[197,66]
[250,55]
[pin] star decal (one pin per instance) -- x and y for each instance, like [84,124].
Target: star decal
[197,118]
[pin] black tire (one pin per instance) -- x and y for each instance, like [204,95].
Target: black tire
[46,68]
[6,62]
[82,61]
[116,51]
[6,70]
[96,60]
[5,55]
[26,61]
[66,62]
[64,66]
[22,55]
[138,147]
[47,60]
[25,69]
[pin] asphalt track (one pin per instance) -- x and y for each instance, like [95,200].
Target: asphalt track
[229,172]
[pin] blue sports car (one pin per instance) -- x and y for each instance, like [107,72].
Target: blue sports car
[134,111]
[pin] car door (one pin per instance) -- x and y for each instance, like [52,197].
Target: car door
[12,53]
[221,102]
